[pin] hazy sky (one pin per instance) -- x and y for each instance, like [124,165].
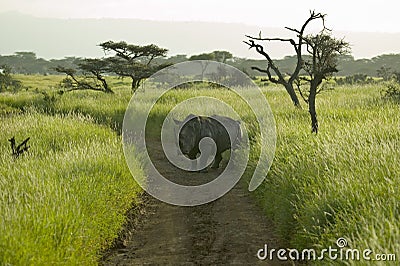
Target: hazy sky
[366,15]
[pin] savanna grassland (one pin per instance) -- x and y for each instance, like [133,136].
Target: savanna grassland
[65,200]
[342,182]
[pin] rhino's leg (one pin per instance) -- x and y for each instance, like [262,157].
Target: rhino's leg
[208,150]
[217,160]
[193,156]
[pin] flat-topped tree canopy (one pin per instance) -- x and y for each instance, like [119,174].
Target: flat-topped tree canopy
[131,52]
[134,61]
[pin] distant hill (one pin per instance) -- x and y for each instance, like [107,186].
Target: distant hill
[58,38]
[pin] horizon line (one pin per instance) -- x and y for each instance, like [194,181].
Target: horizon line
[185,21]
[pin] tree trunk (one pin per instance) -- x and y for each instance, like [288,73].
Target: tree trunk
[311,108]
[135,84]
[105,85]
[293,96]
[203,69]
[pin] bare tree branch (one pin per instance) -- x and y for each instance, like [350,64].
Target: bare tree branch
[272,39]
[260,50]
[297,46]
[267,71]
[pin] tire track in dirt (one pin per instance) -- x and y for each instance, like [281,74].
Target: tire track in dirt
[228,231]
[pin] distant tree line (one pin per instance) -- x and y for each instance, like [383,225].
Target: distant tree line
[29,63]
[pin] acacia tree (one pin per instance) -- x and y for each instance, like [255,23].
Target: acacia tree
[219,56]
[222,56]
[203,60]
[274,75]
[96,67]
[92,77]
[133,61]
[324,51]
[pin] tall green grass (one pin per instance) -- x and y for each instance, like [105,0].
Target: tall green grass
[342,182]
[64,201]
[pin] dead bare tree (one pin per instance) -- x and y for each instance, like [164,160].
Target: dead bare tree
[273,73]
[324,51]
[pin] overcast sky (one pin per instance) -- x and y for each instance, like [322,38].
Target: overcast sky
[366,15]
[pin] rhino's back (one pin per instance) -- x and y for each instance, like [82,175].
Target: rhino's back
[211,127]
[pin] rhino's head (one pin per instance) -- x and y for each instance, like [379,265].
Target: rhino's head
[188,134]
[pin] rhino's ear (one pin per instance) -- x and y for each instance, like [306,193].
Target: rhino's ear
[177,122]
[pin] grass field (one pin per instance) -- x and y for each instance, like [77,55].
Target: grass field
[65,201]
[73,188]
[343,182]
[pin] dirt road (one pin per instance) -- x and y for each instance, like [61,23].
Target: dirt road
[228,231]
